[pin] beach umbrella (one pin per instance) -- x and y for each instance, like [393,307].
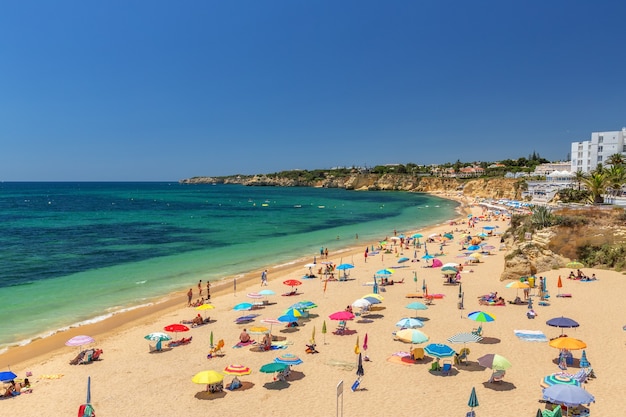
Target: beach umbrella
[287,318]
[313,336]
[448,236]
[157,337]
[559,285]
[243,307]
[473,399]
[267,292]
[211,340]
[464,338]
[341,315]
[568,343]
[87,410]
[403,259]
[344,268]
[361,303]
[292,282]
[270,368]
[475,255]
[271,322]
[246,318]
[427,257]
[258,330]
[365,342]
[548,381]
[417,235]
[324,330]
[386,271]
[357,350]
[205,307]
[518,284]
[7,376]
[584,363]
[294,312]
[376,296]
[288,359]
[439,350]
[568,395]
[562,322]
[303,305]
[409,323]
[359,369]
[237,370]
[495,362]
[473,247]
[448,268]
[254,295]
[574,265]
[372,300]
[208,378]
[481,316]
[79,340]
[416,305]
[412,336]
[488,247]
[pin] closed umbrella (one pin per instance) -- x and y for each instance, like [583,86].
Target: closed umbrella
[473,399]
[584,363]
[359,369]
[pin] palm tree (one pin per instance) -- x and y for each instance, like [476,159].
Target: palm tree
[580,177]
[596,184]
[616,177]
[615,160]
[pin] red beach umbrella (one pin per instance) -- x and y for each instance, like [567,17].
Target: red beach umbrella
[341,315]
[176,328]
[292,282]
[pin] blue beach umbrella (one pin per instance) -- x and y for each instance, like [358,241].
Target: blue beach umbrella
[473,399]
[584,363]
[287,318]
[372,300]
[403,259]
[417,235]
[385,271]
[439,350]
[409,323]
[473,247]
[288,359]
[427,257]
[416,305]
[243,306]
[481,316]
[344,267]
[411,336]
[7,376]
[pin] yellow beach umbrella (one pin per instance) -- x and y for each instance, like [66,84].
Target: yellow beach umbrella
[376,296]
[258,330]
[207,377]
[518,284]
[476,255]
[568,343]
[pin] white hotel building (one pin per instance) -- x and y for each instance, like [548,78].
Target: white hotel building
[587,155]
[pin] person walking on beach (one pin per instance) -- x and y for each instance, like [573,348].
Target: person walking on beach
[208,290]
[189,297]
[200,288]
[264,278]
[326,253]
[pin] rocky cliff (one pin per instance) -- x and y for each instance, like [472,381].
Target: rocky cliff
[473,188]
[531,257]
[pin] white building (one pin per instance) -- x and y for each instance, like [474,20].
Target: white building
[587,155]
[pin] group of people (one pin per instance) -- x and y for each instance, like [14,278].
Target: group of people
[491,299]
[17,388]
[580,275]
[200,300]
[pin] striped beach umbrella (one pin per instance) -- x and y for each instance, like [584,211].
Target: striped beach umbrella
[237,370]
[439,350]
[554,379]
[288,359]
[481,316]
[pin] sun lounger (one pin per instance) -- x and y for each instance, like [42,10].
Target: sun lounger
[497,376]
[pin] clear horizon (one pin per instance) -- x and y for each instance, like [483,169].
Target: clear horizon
[119,91]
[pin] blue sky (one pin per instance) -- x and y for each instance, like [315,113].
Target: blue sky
[163,90]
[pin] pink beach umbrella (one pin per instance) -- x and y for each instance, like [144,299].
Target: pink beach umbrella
[341,315]
[79,340]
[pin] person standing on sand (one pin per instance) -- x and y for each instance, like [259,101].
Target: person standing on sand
[208,290]
[264,278]
[200,288]
[189,297]
[326,253]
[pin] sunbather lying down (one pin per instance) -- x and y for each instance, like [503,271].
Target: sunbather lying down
[196,321]
[180,342]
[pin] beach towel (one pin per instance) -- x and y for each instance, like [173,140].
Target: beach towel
[244,344]
[531,335]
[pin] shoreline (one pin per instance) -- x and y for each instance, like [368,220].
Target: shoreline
[41,347]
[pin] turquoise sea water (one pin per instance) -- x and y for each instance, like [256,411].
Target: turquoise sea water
[74,253]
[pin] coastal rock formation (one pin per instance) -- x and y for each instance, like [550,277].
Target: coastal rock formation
[472,188]
[531,257]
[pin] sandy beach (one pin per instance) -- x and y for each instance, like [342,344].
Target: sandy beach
[130,380]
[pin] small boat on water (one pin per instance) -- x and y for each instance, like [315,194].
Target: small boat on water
[321,206]
[297,206]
